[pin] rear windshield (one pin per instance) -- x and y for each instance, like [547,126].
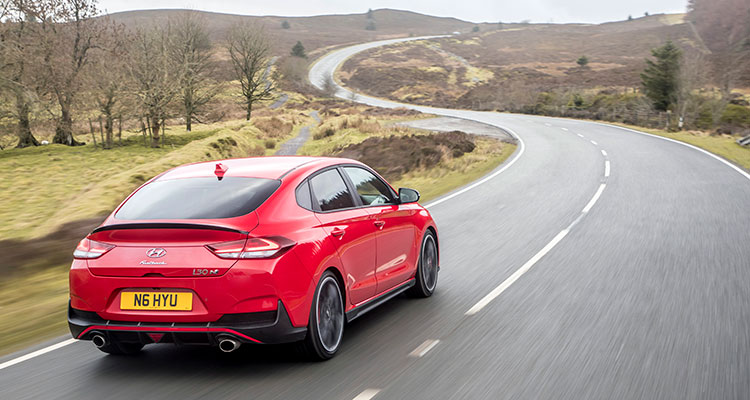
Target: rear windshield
[198,198]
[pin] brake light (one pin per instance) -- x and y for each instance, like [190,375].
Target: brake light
[90,249]
[251,248]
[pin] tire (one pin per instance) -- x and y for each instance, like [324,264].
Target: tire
[427,270]
[326,327]
[121,349]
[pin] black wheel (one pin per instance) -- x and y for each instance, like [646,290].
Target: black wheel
[427,270]
[121,349]
[326,326]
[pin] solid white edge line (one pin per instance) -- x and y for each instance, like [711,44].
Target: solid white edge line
[594,199]
[511,279]
[519,152]
[36,353]
[606,168]
[367,394]
[706,152]
[423,348]
[594,143]
[604,153]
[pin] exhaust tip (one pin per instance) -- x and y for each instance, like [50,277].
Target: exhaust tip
[228,345]
[99,341]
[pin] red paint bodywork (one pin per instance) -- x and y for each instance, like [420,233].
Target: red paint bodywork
[378,252]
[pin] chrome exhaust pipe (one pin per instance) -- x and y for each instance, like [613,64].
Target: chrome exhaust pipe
[228,345]
[99,341]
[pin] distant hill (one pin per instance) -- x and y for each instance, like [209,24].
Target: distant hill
[316,32]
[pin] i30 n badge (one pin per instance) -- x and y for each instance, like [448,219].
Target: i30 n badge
[255,250]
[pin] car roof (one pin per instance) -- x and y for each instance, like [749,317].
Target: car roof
[272,167]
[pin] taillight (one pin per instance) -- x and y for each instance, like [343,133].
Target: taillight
[89,249]
[251,248]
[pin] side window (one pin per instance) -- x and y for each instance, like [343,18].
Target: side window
[331,193]
[303,196]
[370,188]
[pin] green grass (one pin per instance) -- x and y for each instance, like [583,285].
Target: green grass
[724,146]
[51,185]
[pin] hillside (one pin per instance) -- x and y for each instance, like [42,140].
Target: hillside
[316,32]
[467,69]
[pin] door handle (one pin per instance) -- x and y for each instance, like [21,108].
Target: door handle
[379,224]
[337,232]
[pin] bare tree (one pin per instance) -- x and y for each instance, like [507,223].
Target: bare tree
[190,49]
[67,35]
[16,50]
[249,50]
[108,83]
[154,77]
[692,76]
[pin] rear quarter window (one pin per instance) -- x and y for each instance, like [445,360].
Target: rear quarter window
[198,198]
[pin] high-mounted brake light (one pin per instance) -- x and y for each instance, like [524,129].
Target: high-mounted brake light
[90,249]
[220,170]
[250,248]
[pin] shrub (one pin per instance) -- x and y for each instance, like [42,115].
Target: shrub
[582,61]
[270,143]
[736,116]
[327,132]
[273,127]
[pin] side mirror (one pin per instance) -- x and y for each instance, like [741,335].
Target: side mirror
[408,195]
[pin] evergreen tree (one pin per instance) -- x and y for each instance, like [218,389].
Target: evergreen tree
[298,50]
[583,61]
[660,78]
[285,24]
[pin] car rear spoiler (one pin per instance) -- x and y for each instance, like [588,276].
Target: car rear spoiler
[167,225]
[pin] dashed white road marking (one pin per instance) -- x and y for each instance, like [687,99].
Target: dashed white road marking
[606,168]
[594,143]
[511,279]
[367,394]
[565,129]
[604,153]
[36,353]
[579,135]
[547,124]
[594,199]
[423,348]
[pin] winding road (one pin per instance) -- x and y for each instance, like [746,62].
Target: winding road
[596,263]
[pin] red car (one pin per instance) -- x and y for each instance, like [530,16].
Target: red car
[254,250]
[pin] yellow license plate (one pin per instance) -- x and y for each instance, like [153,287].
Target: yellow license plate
[170,301]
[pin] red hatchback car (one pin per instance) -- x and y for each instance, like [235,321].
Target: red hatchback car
[255,250]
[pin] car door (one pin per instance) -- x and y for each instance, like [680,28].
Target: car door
[351,229]
[396,258]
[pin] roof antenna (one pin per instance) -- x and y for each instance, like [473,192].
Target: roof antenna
[220,170]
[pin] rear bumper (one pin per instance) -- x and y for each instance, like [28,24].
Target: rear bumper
[267,327]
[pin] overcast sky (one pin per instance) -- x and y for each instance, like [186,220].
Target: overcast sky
[471,10]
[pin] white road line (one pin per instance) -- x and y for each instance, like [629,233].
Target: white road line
[521,149]
[546,124]
[594,199]
[511,279]
[594,143]
[367,394]
[538,256]
[604,153]
[36,353]
[565,129]
[606,168]
[423,348]
[579,135]
[706,152]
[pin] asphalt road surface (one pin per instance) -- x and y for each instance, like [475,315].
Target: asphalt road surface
[596,263]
